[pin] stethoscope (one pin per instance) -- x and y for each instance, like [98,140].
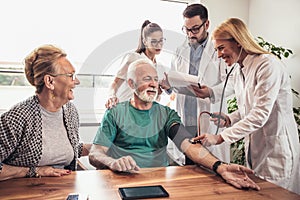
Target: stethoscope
[223,91]
[219,116]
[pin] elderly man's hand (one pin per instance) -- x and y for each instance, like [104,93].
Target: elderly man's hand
[236,175]
[124,164]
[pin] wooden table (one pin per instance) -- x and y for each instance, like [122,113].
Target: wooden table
[189,182]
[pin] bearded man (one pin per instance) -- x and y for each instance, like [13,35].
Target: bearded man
[135,133]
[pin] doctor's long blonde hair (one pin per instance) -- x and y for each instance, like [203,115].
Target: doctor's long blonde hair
[234,28]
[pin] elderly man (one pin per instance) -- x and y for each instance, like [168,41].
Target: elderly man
[134,133]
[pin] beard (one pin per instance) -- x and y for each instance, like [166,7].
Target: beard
[143,95]
[193,40]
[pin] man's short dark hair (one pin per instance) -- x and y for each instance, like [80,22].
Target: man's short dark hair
[194,10]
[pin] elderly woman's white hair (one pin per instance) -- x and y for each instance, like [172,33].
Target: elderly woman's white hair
[134,65]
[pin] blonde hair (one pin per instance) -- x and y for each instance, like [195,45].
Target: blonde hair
[234,28]
[40,62]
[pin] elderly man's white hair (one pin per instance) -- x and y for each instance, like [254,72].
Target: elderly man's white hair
[133,66]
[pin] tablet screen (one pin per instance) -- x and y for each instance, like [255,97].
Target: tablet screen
[143,192]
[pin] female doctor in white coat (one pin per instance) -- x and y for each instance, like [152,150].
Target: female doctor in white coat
[264,116]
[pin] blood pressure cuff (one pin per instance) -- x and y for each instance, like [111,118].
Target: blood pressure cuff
[178,133]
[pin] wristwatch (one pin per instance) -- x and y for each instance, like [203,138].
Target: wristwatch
[1,166]
[32,172]
[216,165]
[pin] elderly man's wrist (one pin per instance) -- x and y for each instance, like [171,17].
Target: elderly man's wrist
[219,167]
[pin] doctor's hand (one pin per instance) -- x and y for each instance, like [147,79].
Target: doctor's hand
[209,139]
[111,102]
[224,119]
[202,92]
[124,164]
[164,83]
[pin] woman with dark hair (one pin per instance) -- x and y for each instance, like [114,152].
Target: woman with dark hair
[150,44]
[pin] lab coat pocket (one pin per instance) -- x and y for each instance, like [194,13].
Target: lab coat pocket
[279,158]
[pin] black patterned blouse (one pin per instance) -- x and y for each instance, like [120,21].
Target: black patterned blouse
[21,133]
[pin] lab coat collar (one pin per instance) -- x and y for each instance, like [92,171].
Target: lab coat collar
[207,56]
[248,59]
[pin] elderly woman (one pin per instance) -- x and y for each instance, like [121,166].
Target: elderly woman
[39,136]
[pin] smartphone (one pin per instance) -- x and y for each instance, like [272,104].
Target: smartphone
[143,192]
[77,196]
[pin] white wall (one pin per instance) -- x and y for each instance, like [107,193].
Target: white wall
[220,10]
[76,26]
[279,23]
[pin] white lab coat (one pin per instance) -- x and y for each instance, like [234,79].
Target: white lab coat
[265,118]
[212,73]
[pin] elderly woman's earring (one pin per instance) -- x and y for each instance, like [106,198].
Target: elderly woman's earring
[52,95]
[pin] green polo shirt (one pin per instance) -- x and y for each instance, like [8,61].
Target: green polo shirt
[142,134]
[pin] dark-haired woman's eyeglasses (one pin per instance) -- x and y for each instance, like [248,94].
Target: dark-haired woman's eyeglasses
[155,42]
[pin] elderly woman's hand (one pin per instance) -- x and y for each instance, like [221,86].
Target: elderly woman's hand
[50,171]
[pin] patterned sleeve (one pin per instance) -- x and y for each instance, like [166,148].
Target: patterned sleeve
[5,146]
[80,149]
[71,118]
[10,124]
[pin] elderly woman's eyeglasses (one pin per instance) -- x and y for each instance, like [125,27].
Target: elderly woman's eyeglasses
[194,30]
[73,75]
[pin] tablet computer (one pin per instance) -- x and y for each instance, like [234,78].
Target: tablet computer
[143,192]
